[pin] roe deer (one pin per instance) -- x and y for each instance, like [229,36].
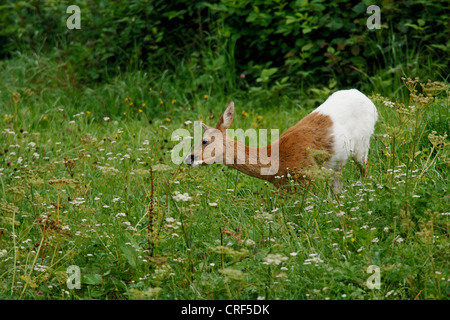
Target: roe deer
[341,127]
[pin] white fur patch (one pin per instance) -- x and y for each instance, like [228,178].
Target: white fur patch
[354,117]
[196,163]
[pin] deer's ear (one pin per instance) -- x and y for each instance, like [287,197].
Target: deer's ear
[227,117]
[205,127]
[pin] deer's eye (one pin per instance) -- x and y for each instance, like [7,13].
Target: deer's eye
[204,141]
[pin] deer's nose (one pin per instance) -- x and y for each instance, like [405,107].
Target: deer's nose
[189,159]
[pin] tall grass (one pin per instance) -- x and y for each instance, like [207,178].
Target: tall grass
[87,180]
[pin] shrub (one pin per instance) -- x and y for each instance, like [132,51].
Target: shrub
[301,42]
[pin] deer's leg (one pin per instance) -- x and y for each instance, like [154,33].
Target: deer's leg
[363,165]
[361,159]
[337,184]
[362,168]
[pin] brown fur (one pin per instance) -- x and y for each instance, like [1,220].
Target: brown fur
[311,133]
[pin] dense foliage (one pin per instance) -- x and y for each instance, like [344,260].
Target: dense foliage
[301,42]
[89,122]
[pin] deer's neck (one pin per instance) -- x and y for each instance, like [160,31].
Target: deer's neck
[255,162]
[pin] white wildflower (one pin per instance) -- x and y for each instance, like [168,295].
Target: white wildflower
[274,259]
[249,242]
[340,214]
[181,196]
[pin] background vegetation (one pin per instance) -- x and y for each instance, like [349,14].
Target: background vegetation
[86,176]
[293,43]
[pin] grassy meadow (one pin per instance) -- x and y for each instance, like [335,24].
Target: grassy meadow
[86,179]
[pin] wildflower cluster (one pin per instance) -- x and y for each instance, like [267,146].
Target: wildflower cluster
[181,196]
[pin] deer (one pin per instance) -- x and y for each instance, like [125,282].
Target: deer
[341,127]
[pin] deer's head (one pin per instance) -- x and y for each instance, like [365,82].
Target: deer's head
[214,142]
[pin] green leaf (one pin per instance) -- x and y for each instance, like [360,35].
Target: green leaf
[131,258]
[291,19]
[307,47]
[439,46]
[175,14]
[415,27]
[266,74]
[360,8]
[92,279]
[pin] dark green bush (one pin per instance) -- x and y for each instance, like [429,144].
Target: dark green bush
[303,43]
[316,40]
[124,34]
